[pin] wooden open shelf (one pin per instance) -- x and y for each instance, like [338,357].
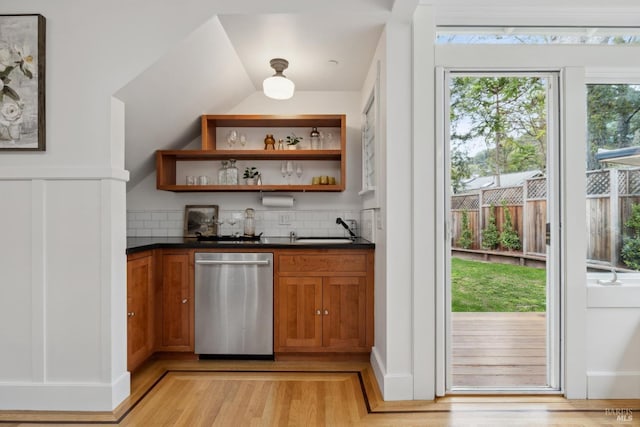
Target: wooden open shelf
[166,159]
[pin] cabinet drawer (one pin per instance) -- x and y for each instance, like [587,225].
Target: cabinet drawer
[300,263]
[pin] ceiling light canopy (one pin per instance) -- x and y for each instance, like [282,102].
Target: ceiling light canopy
[278,86]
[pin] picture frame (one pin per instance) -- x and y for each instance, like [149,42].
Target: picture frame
[201,219]
[22,82]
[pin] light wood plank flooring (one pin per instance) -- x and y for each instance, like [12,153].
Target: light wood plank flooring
[247,393]
[499,350]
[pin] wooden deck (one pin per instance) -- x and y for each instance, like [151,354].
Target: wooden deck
[499,350]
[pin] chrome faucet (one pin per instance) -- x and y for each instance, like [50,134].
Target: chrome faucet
[345,225]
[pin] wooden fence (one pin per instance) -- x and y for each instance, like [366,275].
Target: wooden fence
[610,195]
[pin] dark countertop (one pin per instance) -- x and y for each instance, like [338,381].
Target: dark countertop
[138,244]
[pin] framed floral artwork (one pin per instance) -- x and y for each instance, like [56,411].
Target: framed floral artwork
[22,72]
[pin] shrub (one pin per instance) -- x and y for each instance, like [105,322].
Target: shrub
[490,235]
[631,244]
[509,237]
[466,238]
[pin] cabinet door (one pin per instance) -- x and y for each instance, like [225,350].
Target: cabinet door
[139,311]
[299,315]
[176,325]
[344,313]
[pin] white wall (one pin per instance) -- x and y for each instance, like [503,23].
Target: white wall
[145,196]
[62,287]
[392,354]
[613,340]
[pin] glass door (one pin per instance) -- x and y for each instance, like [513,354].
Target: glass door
[501,211]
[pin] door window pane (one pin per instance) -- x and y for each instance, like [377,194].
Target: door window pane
[613,177]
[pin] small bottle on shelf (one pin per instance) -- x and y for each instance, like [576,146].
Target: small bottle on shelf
[222,174]
[232,173]
[315,139]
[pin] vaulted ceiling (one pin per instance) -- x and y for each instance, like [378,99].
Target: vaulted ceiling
[329,46]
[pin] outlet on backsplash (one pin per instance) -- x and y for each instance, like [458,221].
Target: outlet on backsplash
[285,219]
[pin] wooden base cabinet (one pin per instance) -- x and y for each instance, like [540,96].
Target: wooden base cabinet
[324,302]
[175,303]
[140,313]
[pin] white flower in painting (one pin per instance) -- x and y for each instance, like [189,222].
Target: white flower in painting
[10,113]
[25,61]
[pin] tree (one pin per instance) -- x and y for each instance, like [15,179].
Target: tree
[490,235]
[631,244]
[509,237]
[614,118]
[466,237]
[460,169]
[507,114]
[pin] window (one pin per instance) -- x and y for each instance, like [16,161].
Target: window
[368,146]
[538,35]
[613,177]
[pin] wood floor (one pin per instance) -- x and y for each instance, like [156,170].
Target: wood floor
[499,350]
[248,393]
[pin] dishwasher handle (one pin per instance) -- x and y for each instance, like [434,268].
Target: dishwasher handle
[232,262]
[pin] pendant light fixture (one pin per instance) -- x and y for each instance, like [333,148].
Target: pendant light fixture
[278,86]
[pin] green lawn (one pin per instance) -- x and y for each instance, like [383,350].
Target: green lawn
[483,286]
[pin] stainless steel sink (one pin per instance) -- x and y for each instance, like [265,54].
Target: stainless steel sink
[323,240]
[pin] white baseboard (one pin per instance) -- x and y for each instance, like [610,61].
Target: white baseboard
[64,396]
[613,385]
[392,386]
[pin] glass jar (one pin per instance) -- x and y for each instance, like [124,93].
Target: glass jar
[249,222]
[232,173]
[222,173]
[315,139]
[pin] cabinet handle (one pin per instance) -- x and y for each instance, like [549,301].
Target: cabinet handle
[318,312]
[326,312]
[184,301]
[131,314]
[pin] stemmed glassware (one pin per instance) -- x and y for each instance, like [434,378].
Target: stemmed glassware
[299,172]
[219,223]
[243,139]
[283,170]
[232,137]
[328,145]
[289,170]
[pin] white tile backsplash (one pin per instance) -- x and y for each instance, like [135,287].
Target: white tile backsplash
[151,223]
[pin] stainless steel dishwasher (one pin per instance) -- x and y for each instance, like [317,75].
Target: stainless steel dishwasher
[234,304]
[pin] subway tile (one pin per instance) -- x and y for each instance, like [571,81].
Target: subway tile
[143,216]
[158,216]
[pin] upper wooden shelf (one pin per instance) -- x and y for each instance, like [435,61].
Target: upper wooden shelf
[252,154]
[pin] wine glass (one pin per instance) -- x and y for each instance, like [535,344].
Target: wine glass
[283,170]
[289,170]
[219,223]
[233,220]
[299,172]
[232,137]
[329,141]
[243,139]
